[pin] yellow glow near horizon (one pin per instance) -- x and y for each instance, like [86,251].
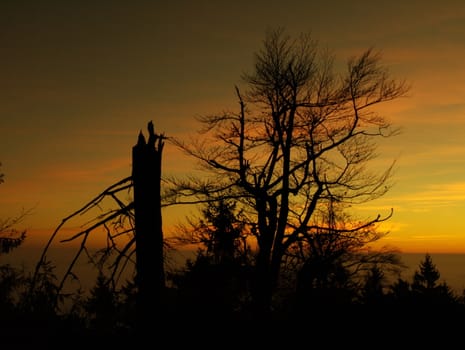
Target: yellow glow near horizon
[75,94]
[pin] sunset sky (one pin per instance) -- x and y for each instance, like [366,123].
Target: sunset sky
[80,79]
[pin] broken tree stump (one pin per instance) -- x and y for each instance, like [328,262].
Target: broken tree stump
[146,174]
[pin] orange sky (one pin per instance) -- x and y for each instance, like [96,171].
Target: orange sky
[80,79]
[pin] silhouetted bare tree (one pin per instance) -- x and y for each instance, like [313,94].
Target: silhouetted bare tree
[303,136]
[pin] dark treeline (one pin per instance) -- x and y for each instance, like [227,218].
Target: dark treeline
[212,291]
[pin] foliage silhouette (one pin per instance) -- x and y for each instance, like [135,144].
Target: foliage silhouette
[10,237]
[216,281]
[332,266]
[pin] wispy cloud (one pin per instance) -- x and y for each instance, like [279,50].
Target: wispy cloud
[86,170]
[434,155]
[432,196]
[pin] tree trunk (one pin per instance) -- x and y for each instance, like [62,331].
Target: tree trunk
[262,286]
[150,278]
